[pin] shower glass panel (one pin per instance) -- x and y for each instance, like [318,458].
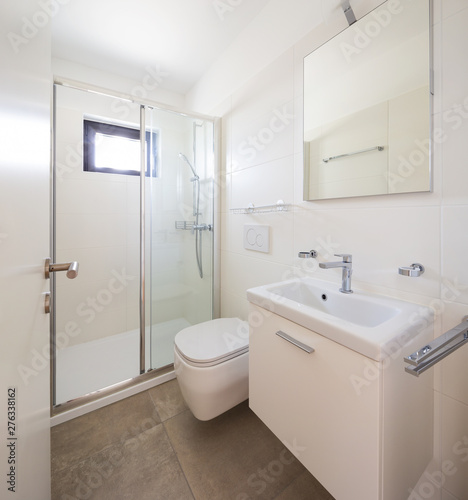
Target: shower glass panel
[181,231]
[96,222]
[101,214]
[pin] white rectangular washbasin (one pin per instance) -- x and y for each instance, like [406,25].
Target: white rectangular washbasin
[373,325]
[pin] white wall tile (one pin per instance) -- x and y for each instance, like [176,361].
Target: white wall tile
[455,446]
[269,90]
[455,174]
[266,138]
[454,273]
[91,196]
[455,367]
[233,306]
[454,45]
[242,272]
[264,184]
[379,240]
[88,230]
[451,7]
[263,115]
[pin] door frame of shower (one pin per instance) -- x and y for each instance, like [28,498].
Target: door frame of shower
[66,411]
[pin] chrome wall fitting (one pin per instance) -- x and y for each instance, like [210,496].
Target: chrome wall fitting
[412,271]
[307,255]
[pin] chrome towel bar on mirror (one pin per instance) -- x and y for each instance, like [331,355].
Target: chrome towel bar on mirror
[295,342]
[438,349]
[377,148]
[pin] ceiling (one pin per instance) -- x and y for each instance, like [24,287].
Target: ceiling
[180,39]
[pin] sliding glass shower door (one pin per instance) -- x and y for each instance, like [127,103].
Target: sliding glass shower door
[164,280]
[96,223]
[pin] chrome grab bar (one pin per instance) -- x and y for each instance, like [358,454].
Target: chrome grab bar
[438,349]
[70,267]
[377,148]
[295,342]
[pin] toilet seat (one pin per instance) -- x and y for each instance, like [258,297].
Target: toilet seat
[213,342]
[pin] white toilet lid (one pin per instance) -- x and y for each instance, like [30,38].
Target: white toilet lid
[213,340]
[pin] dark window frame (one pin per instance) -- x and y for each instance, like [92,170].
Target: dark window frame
[91,128]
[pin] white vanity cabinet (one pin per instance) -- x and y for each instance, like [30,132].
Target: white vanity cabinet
[362,428]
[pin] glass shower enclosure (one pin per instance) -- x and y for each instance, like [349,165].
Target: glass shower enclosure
[133,204]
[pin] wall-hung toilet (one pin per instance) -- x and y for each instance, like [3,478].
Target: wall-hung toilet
[211,362]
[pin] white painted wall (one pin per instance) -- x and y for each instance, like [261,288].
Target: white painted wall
[25,95]
[262,157]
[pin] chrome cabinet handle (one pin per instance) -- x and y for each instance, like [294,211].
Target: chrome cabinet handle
[295,342]
[70,267]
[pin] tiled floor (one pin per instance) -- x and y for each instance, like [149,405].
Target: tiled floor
[151,447]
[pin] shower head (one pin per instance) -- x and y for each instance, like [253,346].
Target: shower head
[190,165]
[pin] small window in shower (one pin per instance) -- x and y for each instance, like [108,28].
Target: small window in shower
[113,149]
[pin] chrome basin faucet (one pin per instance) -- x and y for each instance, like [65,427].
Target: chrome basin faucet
[347,265]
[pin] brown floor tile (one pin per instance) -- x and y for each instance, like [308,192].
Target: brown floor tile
[234,456]
[305,487]
[80,438]
[132,416]
[168,399]
[145,468]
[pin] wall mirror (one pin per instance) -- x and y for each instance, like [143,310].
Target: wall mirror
[367,106]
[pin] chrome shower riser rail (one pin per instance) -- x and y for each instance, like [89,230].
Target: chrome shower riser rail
[437,350]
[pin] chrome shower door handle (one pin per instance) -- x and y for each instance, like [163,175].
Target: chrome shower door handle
[70,267]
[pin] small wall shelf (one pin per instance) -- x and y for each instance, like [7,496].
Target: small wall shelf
[279,206]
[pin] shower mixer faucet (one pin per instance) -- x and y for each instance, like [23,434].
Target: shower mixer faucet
[347,266]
